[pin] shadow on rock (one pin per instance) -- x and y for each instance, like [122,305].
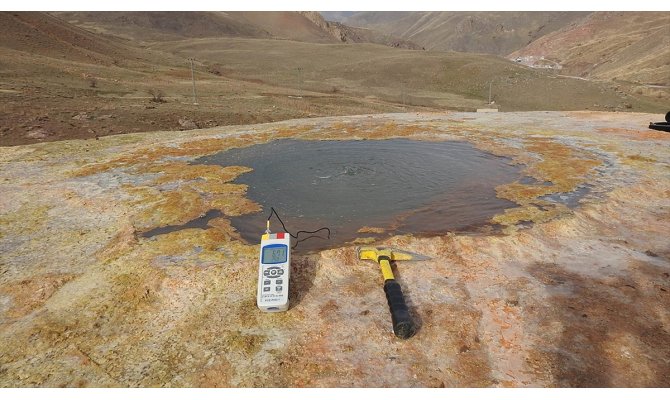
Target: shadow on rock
[303,271]
[603,332]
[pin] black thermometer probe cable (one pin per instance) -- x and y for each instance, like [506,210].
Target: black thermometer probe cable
[311,233]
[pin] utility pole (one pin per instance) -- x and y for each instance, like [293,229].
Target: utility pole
[402,92]
[299,70]
[195,97]
[490,87]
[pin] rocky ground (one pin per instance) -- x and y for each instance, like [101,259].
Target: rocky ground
[561,295]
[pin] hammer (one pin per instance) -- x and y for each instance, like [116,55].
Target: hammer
[403,327]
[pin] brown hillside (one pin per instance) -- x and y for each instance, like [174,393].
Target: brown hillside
[426,78]
[42,34]
[63,82]
[476,32]
[626,46]
[165,25]
[286,25]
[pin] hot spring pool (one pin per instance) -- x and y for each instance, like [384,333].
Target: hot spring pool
[399,185]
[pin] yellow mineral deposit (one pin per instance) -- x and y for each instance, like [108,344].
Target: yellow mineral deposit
[371,229]
[563,296]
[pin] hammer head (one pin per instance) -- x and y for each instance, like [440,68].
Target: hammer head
[373,253]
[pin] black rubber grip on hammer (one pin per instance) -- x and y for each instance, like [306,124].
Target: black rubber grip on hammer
[403,327]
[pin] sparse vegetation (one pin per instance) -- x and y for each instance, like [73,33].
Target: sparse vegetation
[157,95]
[215,69]
[334,80]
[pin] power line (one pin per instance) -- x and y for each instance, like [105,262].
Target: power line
[195,96]
[490,88]
[299,70]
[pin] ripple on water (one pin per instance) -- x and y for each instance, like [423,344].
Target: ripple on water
[399,185]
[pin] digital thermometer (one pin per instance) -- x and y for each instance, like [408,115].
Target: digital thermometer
[273,272]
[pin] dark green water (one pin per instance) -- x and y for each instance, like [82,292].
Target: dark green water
[403,186]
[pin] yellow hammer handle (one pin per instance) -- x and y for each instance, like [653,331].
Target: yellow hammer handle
[385,265]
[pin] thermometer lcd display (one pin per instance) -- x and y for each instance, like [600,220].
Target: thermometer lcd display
[274,254]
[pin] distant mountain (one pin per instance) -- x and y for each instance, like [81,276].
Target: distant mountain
[497,33]
[337,16]
[163,25]
[631,46]
[127,72]
[347,34]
